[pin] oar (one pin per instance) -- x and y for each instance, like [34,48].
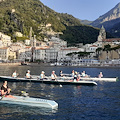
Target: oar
[4,96]
[58,83]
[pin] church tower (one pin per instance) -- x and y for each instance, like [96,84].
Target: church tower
[34,41]
[102,34]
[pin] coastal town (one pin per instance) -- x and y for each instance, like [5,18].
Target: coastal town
[103,52]
[59,60]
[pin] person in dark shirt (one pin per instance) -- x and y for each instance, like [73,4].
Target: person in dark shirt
[4,89]
[61,73]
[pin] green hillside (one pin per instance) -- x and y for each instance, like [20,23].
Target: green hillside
[20,15]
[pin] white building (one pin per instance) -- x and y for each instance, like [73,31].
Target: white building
[1,44]
[7,54]
[62,53]
[18,34]
[51,54]
[90,48]
[40,53]
[25,54]
[6,40]
[27,42]
[57,42]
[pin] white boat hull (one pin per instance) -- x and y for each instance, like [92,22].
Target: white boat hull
[37,102]
[49,81]
[91,78]
[101,79]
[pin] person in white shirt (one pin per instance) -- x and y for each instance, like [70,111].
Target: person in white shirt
[28,76]
[14,75]
[42,75]
[53,76]
[84,74]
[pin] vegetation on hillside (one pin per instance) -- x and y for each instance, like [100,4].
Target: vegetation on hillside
[20,15]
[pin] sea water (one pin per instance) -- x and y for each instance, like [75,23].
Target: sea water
[101,102]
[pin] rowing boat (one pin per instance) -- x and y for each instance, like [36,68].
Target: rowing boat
[92,78]
[68,76]
[49,81]
[100,79]
[37,102]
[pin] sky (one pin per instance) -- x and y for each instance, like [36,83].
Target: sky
[82,9]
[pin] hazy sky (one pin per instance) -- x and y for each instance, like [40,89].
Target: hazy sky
[82,9]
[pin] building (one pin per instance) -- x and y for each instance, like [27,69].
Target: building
[7,54]
[18,34]
[62,53]
[51,54]
[27,42]
[25,54]
[40,53]
[110,54]
[101,37]
[57,42]
[5,39]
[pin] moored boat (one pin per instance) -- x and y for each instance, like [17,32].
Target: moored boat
[48,81]
[37,102]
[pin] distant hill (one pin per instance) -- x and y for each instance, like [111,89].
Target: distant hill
[86,22]
[110,20]
[20,15]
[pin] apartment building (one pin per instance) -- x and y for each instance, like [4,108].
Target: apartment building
[6,40]
[7,54]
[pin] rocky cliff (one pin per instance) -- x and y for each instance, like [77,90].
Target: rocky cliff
[109,20]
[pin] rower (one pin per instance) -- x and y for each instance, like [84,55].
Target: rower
[78,76]
[14,75]
[61,73]
[53,76]
[100,75]
[84,74]
[75,77]
[73,73]
[28,76]
[4,89]
[42,75]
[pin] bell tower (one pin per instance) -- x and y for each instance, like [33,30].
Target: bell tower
[102,34]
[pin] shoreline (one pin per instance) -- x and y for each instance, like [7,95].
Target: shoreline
[48,65]
[2,64]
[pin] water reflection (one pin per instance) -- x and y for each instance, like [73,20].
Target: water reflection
[11,109]
[77,90]
[75,102]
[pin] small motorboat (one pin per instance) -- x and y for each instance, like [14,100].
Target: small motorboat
[30,101]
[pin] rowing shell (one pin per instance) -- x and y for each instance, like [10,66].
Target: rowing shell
[84,78]
[37,102]
[92,78]
[101,79]
[48,81]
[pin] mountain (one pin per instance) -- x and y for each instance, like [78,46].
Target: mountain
[85,22]
[110,21]
[20,15]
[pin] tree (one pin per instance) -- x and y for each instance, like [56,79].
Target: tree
[107,48]
[98,52]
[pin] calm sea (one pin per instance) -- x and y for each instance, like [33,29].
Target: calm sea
[101,102]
